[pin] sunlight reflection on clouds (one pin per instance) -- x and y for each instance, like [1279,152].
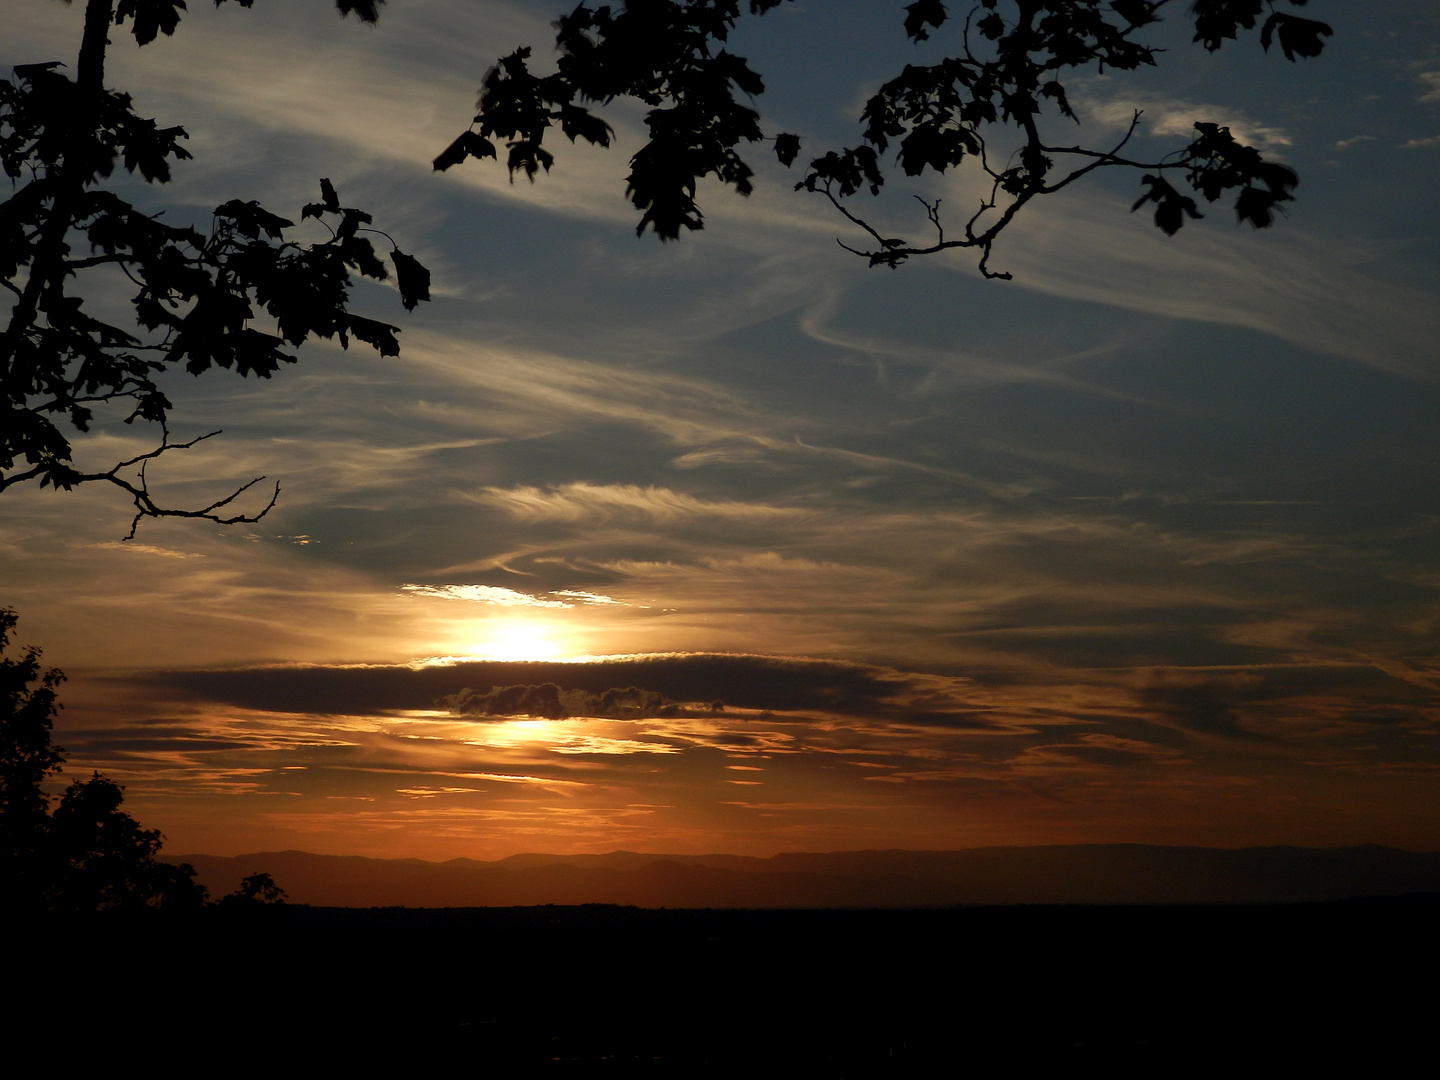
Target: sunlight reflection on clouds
[1117,539]
[577,782]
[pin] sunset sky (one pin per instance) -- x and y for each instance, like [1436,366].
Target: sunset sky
[1142,546]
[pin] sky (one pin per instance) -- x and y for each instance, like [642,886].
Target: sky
[1141,546]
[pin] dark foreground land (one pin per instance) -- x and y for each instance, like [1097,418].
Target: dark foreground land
[614,991]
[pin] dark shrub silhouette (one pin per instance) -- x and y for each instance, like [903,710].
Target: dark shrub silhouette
[104,860]
[256,890]
[88,855]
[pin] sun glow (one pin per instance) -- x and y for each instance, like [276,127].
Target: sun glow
[521,639]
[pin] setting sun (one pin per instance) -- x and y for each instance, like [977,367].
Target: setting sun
[529,638]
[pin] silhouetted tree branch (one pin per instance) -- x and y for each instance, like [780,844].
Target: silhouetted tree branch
[1001,87]
[991,103]
[198,292]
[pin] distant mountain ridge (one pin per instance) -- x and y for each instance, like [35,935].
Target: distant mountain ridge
[1072,874]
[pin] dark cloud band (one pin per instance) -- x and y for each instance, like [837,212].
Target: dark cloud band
[615,687]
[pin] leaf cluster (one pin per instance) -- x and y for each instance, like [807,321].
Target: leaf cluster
[1217,21]
[1216,163]
[668,55]
[150,18]
[1012,67]
[240,294]
[1003,85]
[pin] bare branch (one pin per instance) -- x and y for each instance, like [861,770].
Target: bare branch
[146,507]
[20,478]
[97,260]
[932,211]
[145,504]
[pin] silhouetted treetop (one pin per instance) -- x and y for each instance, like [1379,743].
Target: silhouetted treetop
[104,860]
[87,855]
[27,758]
[256,890]
[994,102]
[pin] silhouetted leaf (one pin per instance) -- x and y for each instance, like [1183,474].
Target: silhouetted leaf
[1171,208]
[469,144]
[787,148]
[350,221]
[360,253]
[258,353]
[1257,206]
[528,157]
[1218,20]
[413,279]
[367,10]
[378,334]
[920,14]
[1298,37]
[577,122]
[150,17]
[251,219]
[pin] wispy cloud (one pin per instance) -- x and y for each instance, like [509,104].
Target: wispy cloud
[484,594]
[1296,287]
[1167,116]
[1430,81]
[575,503]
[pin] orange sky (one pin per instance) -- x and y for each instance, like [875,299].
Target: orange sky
[1141,546]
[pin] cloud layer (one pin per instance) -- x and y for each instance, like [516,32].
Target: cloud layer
[1139,547]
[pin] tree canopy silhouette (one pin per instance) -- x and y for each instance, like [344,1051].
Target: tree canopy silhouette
[197,291]
[256,890]
[88,855]
[999,101]
[28,704]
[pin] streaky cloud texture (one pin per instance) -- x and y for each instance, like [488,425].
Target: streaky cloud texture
[734,545]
